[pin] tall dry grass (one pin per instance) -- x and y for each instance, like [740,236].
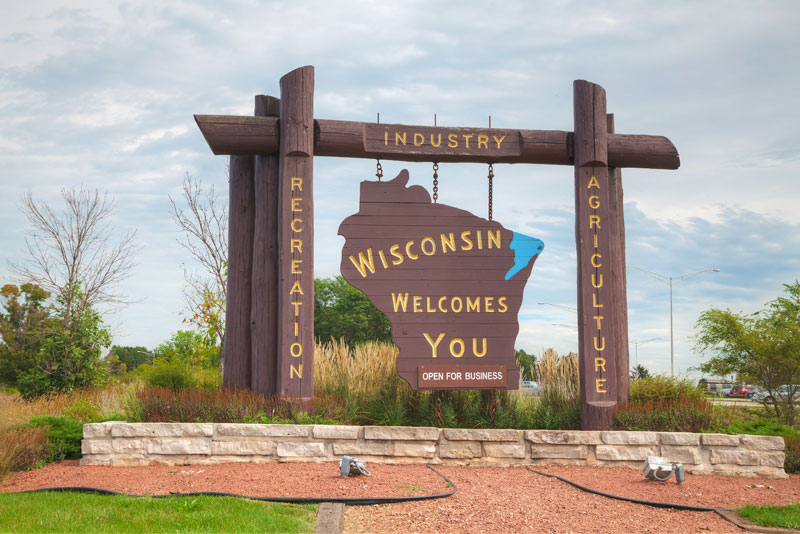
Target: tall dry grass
[21,448]
[559,373]
[353,371]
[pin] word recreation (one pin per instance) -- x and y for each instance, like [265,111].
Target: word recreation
[296,292]
[449,282]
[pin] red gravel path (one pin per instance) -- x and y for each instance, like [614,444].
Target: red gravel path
[492,499]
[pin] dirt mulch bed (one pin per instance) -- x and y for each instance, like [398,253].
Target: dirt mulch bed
[496,499]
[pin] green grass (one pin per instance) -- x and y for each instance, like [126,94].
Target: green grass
[773,516]
[81,512]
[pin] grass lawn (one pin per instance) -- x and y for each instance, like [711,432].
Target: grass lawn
[81,512]
[773,516]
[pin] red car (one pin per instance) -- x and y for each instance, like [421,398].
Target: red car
[738,392]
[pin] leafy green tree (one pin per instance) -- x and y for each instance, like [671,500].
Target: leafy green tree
[343,312]
[189,347]
[526,363]
[22,327]
[639,372]
[132,357]
[762,348]
[69,354]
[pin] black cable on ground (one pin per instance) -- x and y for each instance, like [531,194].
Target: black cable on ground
[350,501]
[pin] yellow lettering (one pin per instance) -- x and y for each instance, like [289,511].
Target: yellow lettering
[296,220]
[296,204]
[452,141]
[431,242]
[598,283]
[364,263]
[297,182]
[474,306]
[296,307]
[438,142]
[454,301]
[398,139]
[408,251]
[594,202]
[594,221]
[465,238]
[498,141]
[399,300]
[460,352]
[466,139]
[480,239]
[488,304]
[394,250]
[599,319]
[596,263]
[298,346]
[600,363]
[594,301]
[417,304]
[483,140]
[440,304]
[296,267]
[600,384]
[418,139]
[448,242]
[595,240]
[296,288]
[493,238]
[297,245]
[428,305]
[298,371]
[433,343]
[602,342]
[296,329]
[386,137]
[383,259]
[502,303]
[593,183]
[475,347]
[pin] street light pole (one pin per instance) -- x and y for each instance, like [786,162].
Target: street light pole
[669,281]
[636,346]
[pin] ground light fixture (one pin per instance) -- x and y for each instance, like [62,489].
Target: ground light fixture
[661,469]
[350,466]
[670,281]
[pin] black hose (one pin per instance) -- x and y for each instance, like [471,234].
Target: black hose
[350,501]
[629,499]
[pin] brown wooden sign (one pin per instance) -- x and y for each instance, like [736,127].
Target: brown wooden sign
[450,282]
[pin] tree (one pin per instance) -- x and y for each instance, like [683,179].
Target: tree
[188,347]
[343,312]
[132,357]
[640,371]
[762,348]
[72,254]
[22,328]
[204,225]
[526,364]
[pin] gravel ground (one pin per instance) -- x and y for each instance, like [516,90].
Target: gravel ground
[489,499]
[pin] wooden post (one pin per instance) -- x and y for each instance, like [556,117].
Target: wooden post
[619,277]
[296,236]
[595,238]
[236,367]
[264,306]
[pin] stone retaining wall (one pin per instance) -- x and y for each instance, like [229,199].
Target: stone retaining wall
[120,443]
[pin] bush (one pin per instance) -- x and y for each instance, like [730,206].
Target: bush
[64,436]
[22,448]
[168,373]
[82,411]
[792,463]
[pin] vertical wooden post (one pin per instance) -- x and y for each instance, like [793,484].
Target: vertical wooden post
[236,367]
[619,278]
[594,238]
[264,295]
[296,236]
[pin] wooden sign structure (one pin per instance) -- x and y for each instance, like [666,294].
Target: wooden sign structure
[270,310]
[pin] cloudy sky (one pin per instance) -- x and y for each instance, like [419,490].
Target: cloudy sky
[101,94]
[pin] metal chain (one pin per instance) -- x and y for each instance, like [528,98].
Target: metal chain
[435,183]
[491,176]
[379,172]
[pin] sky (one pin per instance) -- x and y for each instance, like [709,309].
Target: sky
[102,95]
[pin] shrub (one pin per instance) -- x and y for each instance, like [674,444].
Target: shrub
[168,373]
[64,436]
[792,463]
[22,448]
[82,411]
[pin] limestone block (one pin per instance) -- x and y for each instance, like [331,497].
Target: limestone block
[98,430]
[96,446]
[407,433]
[559,451]
[719,440]
[419,450]
[294,450]
[254,430]
[460,449]
[629,438]
[335,432]
[133,445]
[504,450]
[172,446]
[564,437]
[773,459]
[763,443]
[683,454]
[623,453]
[97,459]
[678,438]
[481,434]
[237,448]
[737,457]
[376,448]
[167,430]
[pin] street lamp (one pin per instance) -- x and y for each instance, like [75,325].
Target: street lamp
[670,281]
[636,346]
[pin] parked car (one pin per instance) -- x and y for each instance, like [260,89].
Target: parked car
[738,391]
[714,386]
[782,394]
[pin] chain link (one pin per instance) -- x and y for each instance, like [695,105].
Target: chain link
[379,172]
[435,183]
[491,176]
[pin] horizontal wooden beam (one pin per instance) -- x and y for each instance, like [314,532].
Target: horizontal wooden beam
[231,135]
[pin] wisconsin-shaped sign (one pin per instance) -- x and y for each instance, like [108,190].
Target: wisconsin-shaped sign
[451,284]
